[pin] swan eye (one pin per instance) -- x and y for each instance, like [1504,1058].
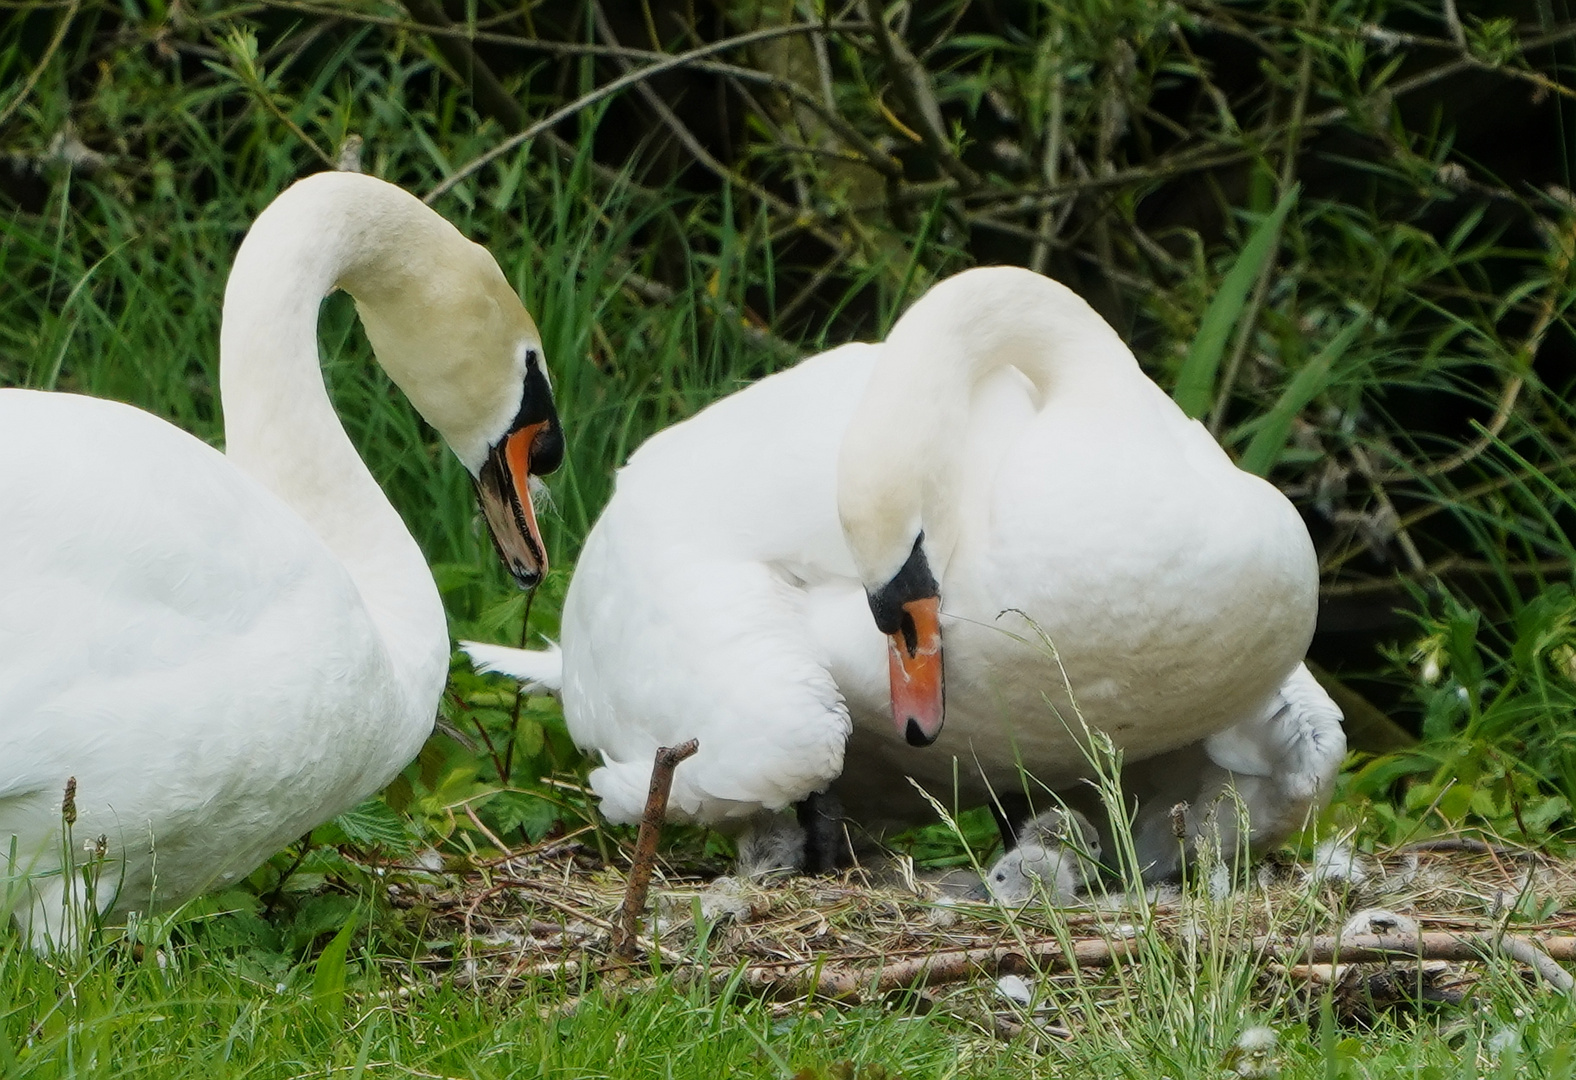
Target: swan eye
[547,450]
[913,582]
[537,409]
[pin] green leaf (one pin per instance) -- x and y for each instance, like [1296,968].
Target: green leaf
[1195,387]
[529,738]
[510,810]
[316,916]
[328,976]
[1265,449]
[373,824]
[1542,816]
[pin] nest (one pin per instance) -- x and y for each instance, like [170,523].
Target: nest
[1431,922]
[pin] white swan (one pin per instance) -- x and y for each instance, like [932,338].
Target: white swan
[225,650]
[1003,455]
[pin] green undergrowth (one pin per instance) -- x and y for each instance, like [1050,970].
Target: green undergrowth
[179,1012]
[1498,752]
[191,1011]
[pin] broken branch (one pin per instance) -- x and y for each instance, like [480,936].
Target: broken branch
[668,758]
[949,966]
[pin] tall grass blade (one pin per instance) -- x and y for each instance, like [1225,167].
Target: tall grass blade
[1265,448]
[1195,387]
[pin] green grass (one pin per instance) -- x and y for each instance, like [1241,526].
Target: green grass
[181,1013]
[194,1018]
[216,992]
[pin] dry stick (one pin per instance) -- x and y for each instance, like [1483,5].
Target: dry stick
[507,851]
[872,155]
[1403,538]
[454,44]
[1028,199]
[912,83]
[1422,513]
[1448,567]
[956,965]
[607,90]
[668,758]
[541,895]
[490,95]
[706,159]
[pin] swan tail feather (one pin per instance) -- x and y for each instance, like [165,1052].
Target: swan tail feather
[539,669]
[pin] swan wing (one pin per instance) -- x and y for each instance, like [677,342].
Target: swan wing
[180,642]
[1297,739]
[688,616]
[714,651]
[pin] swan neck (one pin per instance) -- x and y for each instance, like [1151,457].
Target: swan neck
[281,427]
[900,465]
[1041,328]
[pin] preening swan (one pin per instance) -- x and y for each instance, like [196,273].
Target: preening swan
[777,577]
[225,650]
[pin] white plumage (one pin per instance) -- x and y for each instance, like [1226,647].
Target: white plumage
[1075,519]
[226,650]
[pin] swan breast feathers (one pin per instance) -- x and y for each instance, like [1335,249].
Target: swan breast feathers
[167,565]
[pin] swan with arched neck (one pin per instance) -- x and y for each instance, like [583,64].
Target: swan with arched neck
[225,650]
[987,531]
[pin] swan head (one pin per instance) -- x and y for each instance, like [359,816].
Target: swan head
[896,493]
[454,336]
[531,445]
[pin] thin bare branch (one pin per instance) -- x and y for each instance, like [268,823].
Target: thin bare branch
[602,93]
[839,982]
[667,759]
[912,84]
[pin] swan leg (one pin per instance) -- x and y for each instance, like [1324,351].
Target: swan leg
[815,840]
[827,847]
[1008,808]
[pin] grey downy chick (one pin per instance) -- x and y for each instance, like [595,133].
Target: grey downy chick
[1058,855]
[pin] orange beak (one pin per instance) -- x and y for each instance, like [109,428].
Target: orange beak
[914,662]
[504,488]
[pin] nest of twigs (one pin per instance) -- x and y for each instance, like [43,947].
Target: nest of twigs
[1411,927]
